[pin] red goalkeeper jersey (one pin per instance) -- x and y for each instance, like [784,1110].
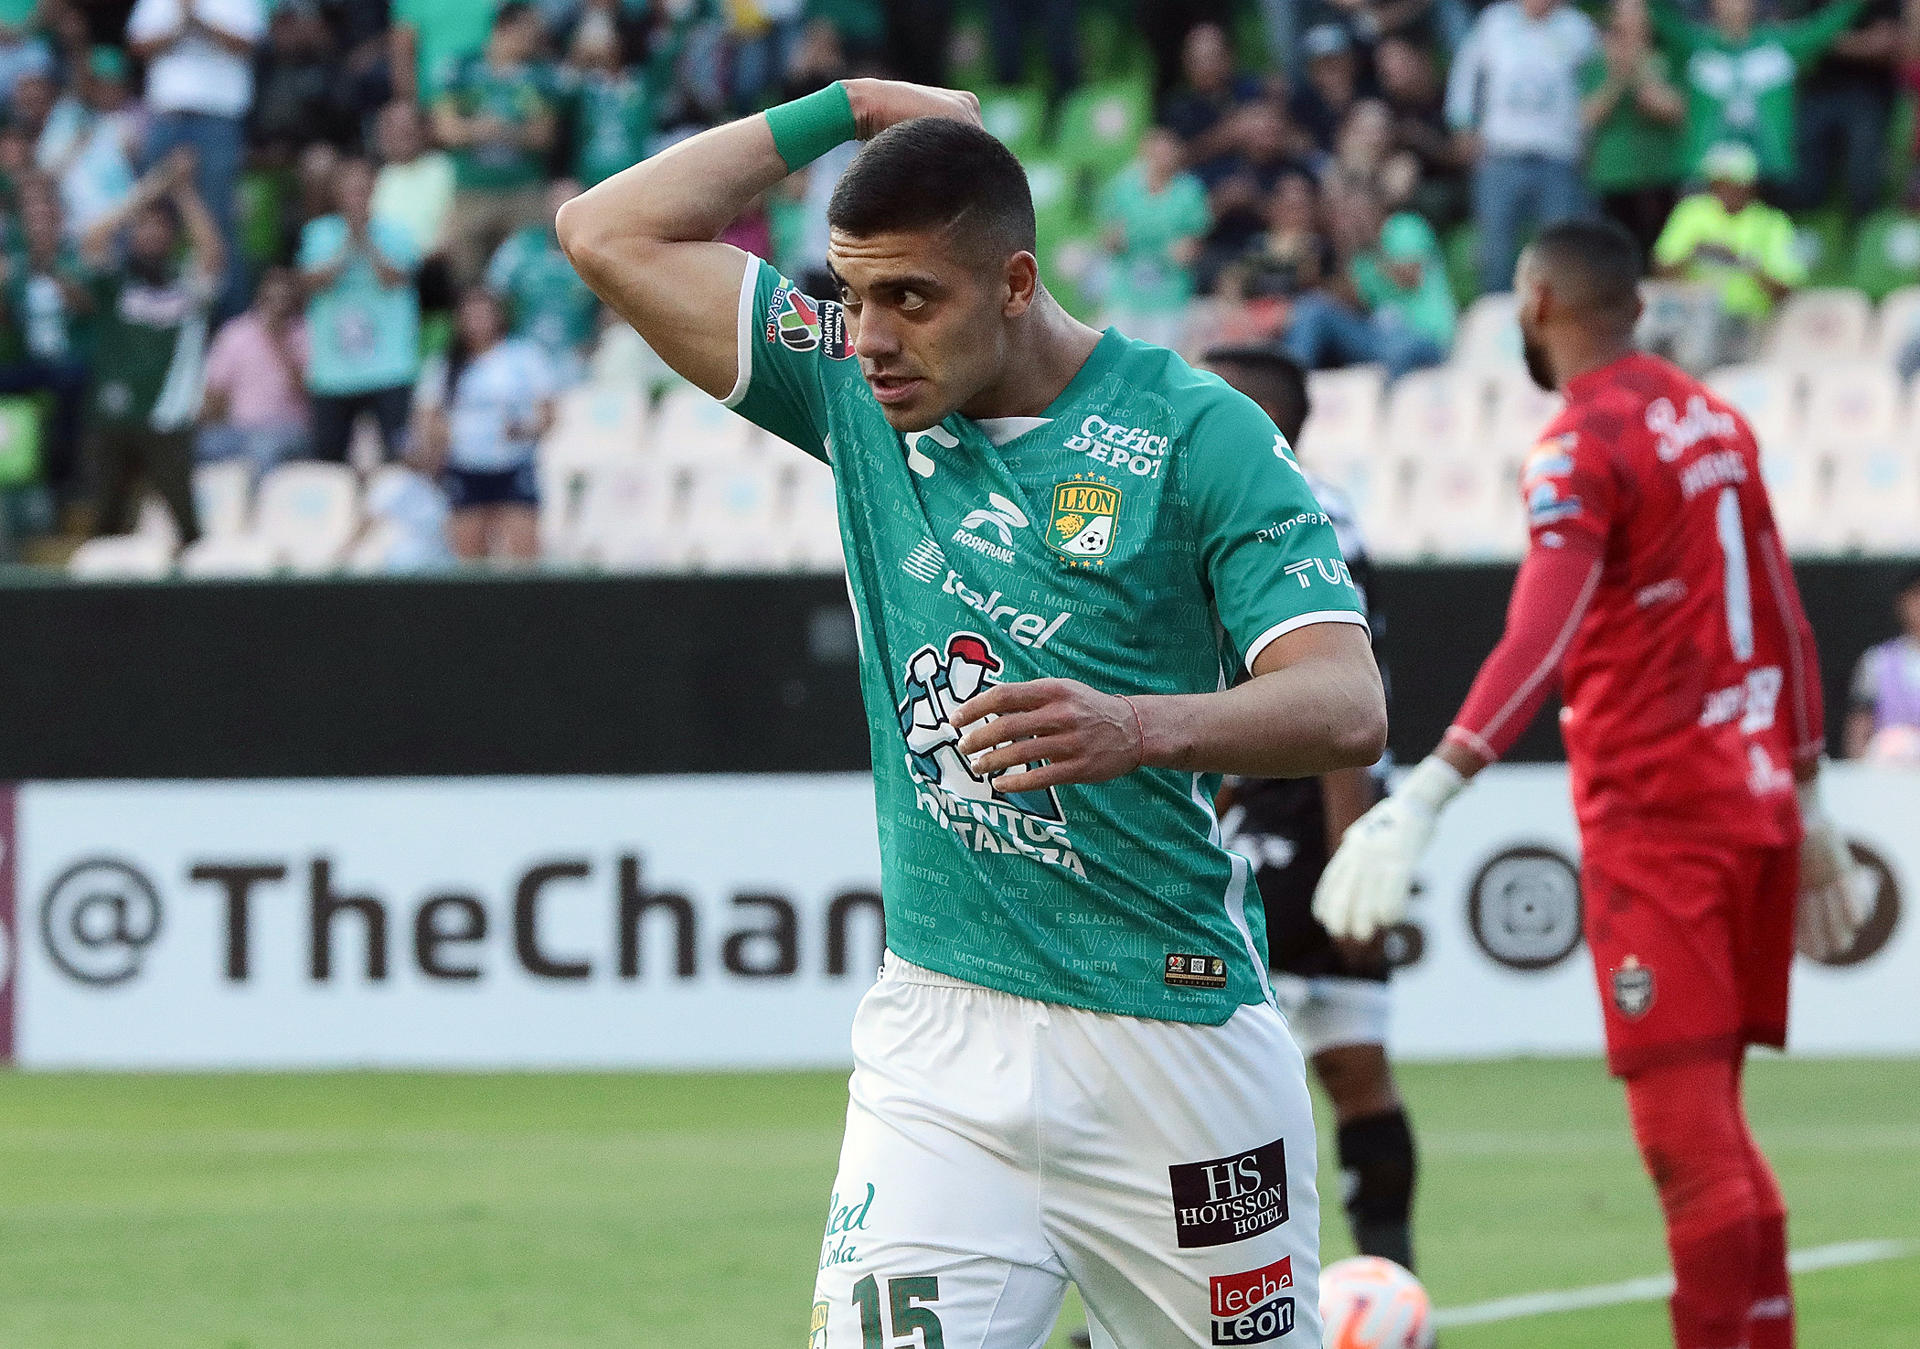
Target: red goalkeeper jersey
[1657,589]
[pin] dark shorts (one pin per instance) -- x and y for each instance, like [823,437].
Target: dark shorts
[1281,827]
[1692,944]
[466,488]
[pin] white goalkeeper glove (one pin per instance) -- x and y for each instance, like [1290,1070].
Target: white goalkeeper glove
[1834,898]
[1365,886]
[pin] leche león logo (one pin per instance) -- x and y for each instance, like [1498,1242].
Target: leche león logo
[1084,514]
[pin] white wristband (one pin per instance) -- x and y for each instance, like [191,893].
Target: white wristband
[1432,783]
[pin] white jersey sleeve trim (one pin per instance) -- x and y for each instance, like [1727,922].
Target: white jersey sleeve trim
[743,334]
[1279,630]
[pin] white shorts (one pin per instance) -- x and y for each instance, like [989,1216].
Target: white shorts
[998,1147]
[1328,1011]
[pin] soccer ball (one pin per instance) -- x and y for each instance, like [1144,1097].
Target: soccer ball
[1370,1303]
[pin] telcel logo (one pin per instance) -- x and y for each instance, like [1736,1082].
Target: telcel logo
[1027,629]
[1253,1308]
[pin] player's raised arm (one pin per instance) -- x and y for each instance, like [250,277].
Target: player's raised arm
[645,238]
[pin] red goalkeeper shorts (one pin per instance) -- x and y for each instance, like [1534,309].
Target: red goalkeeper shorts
[1692,944]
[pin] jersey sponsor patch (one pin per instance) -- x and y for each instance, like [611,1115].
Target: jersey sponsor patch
[1229,1199]
[1254,1307]
[1086,513]
[1633,989]
[1546,505]
[793,320]
[937,683]
[1185,971]
[833,331]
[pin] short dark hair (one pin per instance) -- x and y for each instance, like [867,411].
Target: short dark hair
[1275,382]
[1595,264]
[933,173]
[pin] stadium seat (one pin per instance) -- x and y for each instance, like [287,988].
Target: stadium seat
[1016,117]
[1489,335]
[1876,498]
[1463,504]
[1896,324]
[1101,124]
[623,516]
[308,512]
[1521,412]
[1886,256]
[810,530]
[1851,403]
[121,557]
[230,555]
[1821,325]
[156,521]
[1345,421]
[1796,487]
[594,422]
[222,494]
[1434,411]
[1768,396]
[732,518]
[690,428]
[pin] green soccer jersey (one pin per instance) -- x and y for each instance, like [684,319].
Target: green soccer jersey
[1149,536]
[150,344]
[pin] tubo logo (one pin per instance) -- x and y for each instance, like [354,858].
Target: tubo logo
[1252,1308]
[1230,1199]
[98,919]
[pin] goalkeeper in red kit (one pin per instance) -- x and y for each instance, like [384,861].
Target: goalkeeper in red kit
[1656,595]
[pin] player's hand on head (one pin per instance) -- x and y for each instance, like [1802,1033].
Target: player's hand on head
[879,104]
[1051,732]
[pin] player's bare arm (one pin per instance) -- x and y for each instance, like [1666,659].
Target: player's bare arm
[645,238]
[1315,705]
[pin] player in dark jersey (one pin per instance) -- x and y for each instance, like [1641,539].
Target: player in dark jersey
[1656,593]
[1334,992]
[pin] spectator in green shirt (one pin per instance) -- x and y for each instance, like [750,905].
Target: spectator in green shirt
[150,340]
[1634,117]
[1396,308]
[1152,215]
[548,302]
[1727,239]
[43,296]
[1740,76]
[616,108]
[497,116]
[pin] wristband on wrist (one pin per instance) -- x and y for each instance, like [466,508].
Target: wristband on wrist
[807,128]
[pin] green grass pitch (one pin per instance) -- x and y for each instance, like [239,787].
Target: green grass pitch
[295,1212]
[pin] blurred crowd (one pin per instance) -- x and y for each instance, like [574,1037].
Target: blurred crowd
[1313,190]
[269,230]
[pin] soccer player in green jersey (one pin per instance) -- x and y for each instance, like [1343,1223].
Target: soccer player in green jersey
[1060,544]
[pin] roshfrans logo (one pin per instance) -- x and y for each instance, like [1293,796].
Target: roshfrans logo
[1002,517]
